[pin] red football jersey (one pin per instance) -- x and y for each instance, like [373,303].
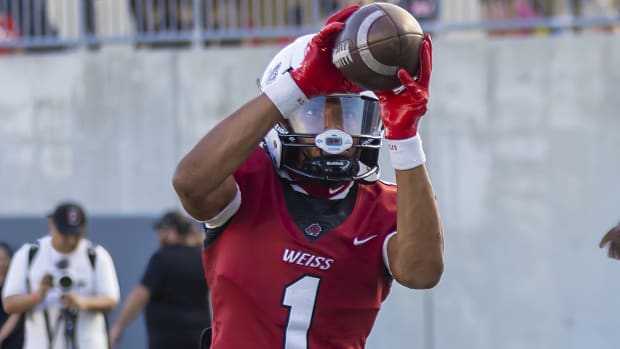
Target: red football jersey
[272,288]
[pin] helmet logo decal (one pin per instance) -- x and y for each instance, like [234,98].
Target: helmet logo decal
[281,130]
[333,141]
[274,73]
[313,229]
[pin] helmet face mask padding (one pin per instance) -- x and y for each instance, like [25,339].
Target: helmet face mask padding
[326,167]
[333,138]
[300,155]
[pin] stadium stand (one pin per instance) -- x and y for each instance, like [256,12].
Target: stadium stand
[73,23]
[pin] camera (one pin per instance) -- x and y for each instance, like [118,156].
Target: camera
[64,282]
[61,278]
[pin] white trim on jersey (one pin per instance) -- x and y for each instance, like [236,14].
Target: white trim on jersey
[386,260]
[226,213]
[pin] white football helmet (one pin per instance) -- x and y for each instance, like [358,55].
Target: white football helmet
[358,127]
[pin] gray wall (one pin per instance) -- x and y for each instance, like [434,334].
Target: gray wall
[522,137]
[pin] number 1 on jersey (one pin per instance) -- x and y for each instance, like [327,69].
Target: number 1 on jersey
[299,297]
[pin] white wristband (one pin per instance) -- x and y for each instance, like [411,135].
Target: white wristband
[285,95]
[407,153]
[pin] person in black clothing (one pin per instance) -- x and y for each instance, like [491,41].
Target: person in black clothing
[11,326]
[173,289]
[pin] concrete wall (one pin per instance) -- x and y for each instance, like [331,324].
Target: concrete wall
[522,137]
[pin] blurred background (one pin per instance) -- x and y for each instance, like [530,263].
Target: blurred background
[99,99]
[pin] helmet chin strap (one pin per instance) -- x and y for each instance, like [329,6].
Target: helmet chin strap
[330,168]
[321,189]
[318,176]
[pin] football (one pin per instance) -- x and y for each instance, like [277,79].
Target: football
[376,41]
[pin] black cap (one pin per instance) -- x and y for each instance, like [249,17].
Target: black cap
[69,218]
[175,220]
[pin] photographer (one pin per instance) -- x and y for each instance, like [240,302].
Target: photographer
[64,284]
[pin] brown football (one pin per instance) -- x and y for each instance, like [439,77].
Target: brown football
[378,40]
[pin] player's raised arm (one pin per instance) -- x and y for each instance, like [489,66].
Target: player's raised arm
[203,178]
[415,253]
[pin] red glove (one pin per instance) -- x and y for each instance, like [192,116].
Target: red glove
[317,75]
[401,112]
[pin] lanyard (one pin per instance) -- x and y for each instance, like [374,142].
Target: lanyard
[70,340]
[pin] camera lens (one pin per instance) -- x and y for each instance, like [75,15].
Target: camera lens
[65,282]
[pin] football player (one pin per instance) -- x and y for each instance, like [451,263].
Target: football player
[302,241]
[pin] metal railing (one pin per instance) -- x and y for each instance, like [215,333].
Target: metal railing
[83,23]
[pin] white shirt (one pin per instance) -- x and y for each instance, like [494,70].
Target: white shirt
[91,330]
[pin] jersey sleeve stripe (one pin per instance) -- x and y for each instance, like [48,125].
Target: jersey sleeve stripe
[226,213]
[386,260]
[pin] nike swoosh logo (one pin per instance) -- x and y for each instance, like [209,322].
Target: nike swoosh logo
[332,191]
[357,242]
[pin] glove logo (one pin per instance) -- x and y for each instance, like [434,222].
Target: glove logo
[274,73]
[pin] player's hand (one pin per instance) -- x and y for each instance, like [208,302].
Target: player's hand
[402,111]
[317,75]
[613,239]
